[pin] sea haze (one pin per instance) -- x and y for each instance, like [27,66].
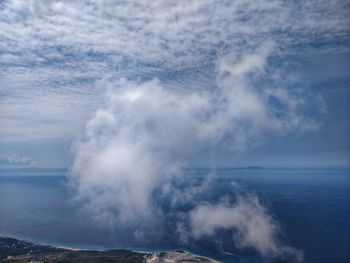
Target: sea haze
[311,206]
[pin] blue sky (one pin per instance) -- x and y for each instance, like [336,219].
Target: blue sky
[58,61]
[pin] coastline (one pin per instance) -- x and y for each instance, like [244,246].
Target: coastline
[20,250]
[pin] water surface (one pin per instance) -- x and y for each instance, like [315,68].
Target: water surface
[312,206]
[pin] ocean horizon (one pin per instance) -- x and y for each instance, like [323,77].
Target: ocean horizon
[41,208]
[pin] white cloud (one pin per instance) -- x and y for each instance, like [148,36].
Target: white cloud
[49,48]
[15,160]
[58,58]
[139,142]
[164,31]
[254,227]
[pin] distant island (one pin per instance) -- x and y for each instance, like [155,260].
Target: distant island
[224,168]
[15,251]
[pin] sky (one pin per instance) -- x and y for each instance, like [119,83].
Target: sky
[239,82]
[128,94]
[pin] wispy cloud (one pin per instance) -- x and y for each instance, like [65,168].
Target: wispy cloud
[15,160]
[253,225]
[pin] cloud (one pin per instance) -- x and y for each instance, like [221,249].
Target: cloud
[136,146]
[253,226]
[53,54]
[147,31]
[16,160]
[181,77]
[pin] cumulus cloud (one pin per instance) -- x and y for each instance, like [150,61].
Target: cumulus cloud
[253,226]
[136,147]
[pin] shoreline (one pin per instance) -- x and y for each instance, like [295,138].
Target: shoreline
[13,249]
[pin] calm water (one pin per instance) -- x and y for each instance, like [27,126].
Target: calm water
[312,206]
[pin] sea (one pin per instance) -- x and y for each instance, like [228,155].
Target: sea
[312,206]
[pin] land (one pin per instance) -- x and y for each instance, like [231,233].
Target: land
[15,251]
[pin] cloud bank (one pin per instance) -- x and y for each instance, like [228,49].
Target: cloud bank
[136,147]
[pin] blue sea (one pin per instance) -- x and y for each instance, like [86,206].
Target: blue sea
[312,206]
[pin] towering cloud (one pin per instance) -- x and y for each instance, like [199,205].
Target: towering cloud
[136,146]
